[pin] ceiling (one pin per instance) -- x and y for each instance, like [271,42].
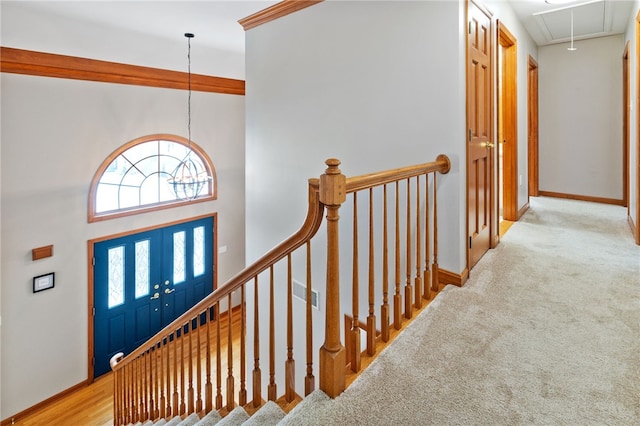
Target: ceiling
[215,23]
[551,23]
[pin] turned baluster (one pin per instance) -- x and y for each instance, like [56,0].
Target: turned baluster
[290,364]
[427,244]
[190,392]
[408,288]
[118,397]
[176,395]
[384,309]
[309,380]
[230,379]
[208,394]
[332,354]
[164,378]
[242,396]
[417,299]
[257,374]
[218,359]
[371,318]
[155,411]
[199,328]
[271,387]
[397,297]
[183,375]
[354,333]
[144,383]
[435,281]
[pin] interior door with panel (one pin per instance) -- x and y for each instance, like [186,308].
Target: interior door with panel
[143,281]
[480,166]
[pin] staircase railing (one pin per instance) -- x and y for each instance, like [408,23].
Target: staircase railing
[181,370]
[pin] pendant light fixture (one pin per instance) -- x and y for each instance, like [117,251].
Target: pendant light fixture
[190,176]
[571,48]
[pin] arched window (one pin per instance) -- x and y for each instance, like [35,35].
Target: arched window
[136,176]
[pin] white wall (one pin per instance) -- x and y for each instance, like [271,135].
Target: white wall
[377,85]
[580,145]
[55,134]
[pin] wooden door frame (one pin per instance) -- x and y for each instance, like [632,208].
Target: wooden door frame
[532,128]
[626,115]
[636,226]
[508,105]
[90,270]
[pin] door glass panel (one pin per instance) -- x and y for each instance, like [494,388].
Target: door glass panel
[142,268]
[198,251]
[179,257]
[116,276]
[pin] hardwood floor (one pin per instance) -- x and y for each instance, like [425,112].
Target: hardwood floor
[92,405]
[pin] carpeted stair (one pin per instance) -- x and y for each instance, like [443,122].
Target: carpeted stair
[268,415]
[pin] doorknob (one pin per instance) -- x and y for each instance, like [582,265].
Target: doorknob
[155,296]
[489,145]
[167,291]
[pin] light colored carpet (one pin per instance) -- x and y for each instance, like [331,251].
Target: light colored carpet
[545,332]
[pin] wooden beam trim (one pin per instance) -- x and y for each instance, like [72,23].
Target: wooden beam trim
[274,12]
[28,62]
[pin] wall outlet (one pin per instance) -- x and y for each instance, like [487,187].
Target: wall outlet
[222,249]
[520,180]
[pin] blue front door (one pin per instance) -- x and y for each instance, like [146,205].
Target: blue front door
[144,281]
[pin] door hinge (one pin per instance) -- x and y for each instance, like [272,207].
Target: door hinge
[93,361]
[469,134]
[93,311]
[93,261]
[469,242]
[469,27]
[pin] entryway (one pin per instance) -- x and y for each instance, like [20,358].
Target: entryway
[143,281]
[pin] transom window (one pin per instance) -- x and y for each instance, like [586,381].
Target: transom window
[136,177]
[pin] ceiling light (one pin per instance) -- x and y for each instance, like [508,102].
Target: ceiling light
[188,178]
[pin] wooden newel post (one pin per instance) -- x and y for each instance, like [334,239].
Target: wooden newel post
[332,354]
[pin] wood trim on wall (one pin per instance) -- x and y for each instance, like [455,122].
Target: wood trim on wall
[523,210]
[447,277]
[582,198]
[28,62]
[274,12]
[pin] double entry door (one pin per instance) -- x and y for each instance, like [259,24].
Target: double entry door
[142,282]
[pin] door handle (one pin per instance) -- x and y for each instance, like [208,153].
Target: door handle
[155,296]
[168,291]
[489,145]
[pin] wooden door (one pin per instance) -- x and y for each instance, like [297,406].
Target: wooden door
[143,281]
[480,165]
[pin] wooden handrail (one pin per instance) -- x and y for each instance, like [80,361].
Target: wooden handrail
[309,228]
[358,183]
[157,379]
